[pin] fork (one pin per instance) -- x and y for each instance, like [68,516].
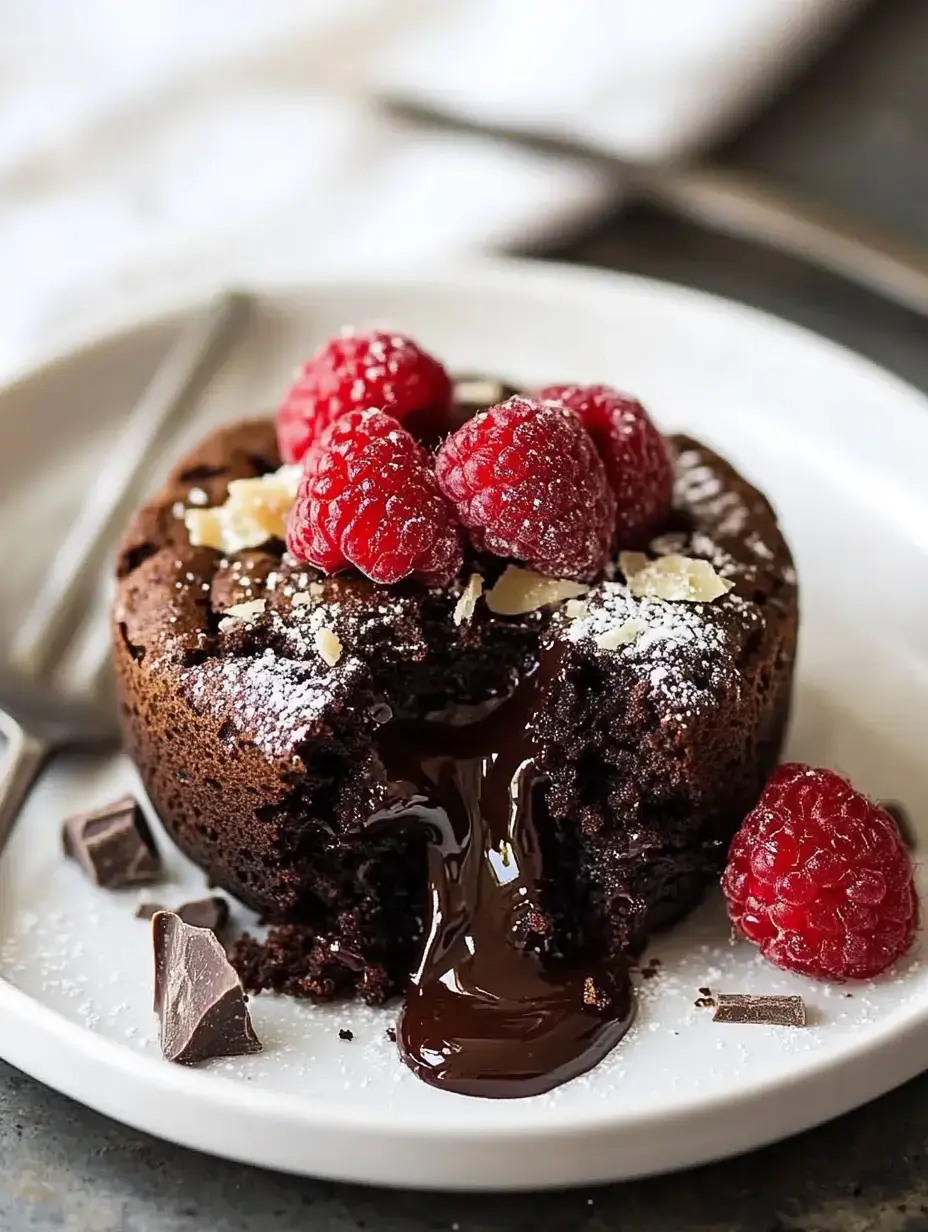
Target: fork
[37,719]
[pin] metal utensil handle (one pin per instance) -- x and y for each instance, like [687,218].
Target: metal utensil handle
[736,204]
[728,202]
[190,362]
[20,763]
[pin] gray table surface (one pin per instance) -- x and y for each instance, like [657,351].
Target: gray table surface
[854,131]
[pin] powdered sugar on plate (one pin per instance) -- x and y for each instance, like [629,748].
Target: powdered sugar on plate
[81,951]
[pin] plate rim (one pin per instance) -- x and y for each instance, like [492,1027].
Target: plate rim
[75,342]
[317,1115]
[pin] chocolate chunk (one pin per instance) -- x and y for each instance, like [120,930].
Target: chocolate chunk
[212,913]
[704,1003]
[705,992]
[900,816]
[345,1034]
[765,1011]
[113,845]
[198,997]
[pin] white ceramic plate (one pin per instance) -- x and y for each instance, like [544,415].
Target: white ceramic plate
[840,448]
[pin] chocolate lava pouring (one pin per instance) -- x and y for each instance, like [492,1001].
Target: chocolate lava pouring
[485,1015]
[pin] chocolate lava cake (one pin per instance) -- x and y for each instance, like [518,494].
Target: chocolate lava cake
[268,740]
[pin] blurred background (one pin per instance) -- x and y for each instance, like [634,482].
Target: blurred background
[156,148]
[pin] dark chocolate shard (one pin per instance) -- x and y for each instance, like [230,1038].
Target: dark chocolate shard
[900,816]
[198,997]
[212,913]
[762,1011]
[113,845]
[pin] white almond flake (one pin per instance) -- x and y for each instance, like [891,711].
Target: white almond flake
[241,611]
[310,596]
[577,609]
[676,579]
[255,511]
[620,635]
[467,604]
[522,590]
[247,610]
[478,391]
[329,646]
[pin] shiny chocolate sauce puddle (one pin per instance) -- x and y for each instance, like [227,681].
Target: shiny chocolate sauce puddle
[485,1015]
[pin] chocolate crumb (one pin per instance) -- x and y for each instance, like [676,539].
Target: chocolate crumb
[198,997]
[391,1034]
[764,1011]
[345,1034]
[650,969]
[294,961]
[704,1003]
[113,845]
[211,913]
[705,992]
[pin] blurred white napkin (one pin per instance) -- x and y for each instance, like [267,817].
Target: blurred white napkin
[165,146]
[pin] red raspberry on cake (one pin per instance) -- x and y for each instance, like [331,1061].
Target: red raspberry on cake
[527,483]
[636,456]
[820,879]
[370,500]
[357,371]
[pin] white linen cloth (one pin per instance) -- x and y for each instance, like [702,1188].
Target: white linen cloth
[148,147]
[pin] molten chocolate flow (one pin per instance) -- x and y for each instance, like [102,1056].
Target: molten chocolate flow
[485,1015]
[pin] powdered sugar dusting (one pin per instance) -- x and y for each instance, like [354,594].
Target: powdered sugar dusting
[277,703]
[683,651]
[689,653]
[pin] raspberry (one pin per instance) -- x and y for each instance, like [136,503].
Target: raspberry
[368,498]
[818,876]
[638,462]
[358,371]
[527,482]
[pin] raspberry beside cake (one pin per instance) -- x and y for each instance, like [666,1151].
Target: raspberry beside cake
[284,724]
